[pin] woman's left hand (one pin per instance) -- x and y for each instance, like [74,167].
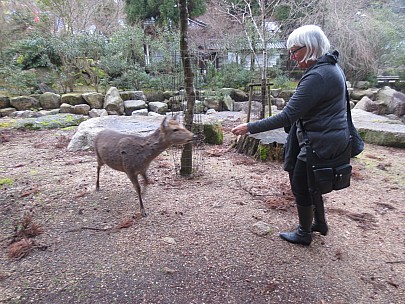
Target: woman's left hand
[242,129]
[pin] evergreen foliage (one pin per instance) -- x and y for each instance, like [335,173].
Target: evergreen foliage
[371,43]
[163,11]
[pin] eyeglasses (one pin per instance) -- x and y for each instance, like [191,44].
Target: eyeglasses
[292,53]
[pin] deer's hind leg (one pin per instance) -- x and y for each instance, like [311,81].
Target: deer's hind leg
[145,178]
[135,182]
[100,163]
[98,176]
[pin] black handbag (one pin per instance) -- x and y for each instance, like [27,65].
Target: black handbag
[357,141]
[326,175]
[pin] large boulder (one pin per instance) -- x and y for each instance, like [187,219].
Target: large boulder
[359,94]
[4,102]
[229,96]
[228,103]
[72,99]
[256,106]
[394,100]
[25,114]
[94,99]
[275,92]
[113,102]
[134,95]
[212,130]
[82,109]
[208,126]
[7,111]
[238,95]
[87,131]
[97,113]
[155,96]
[49,100]
[278,102]
[55,121]
[65,108]
[376,107]
[143,112]
[158,107]
[134,105]
[22,103]
[379,130]
[213,102]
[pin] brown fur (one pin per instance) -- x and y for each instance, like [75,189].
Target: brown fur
[132,154]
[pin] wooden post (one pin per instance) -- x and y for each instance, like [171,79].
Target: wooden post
[269,97]
[250,101]
[265,99]
[263,90]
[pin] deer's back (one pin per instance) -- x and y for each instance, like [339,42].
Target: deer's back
[119,151]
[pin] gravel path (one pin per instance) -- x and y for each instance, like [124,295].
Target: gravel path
[203,241]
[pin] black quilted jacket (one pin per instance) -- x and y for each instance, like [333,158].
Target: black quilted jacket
[320,102]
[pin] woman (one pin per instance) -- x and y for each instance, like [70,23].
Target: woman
[319,105]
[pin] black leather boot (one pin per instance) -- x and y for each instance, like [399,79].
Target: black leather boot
[319,224]
[303,234]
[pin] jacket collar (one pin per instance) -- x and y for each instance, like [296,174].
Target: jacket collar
[329,58]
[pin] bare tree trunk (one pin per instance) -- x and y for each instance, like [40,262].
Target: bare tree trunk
[187,154]
[264,70]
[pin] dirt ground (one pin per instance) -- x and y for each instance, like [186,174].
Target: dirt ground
[62,242]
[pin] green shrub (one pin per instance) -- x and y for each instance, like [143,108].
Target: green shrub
[17,81]
[281,81]
[230,75]
[133,78]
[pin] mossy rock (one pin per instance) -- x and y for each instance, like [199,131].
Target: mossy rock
[272,152]
[50,122]
[211,131]
[214,134]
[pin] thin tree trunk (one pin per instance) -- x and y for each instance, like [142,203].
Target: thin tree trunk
[264,71]
[187,154]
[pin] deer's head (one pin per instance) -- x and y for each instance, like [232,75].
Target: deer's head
[175,133]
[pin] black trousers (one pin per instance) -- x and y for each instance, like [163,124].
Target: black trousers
[299,184]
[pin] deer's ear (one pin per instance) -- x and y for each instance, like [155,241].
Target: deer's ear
[176,117]
[165,123]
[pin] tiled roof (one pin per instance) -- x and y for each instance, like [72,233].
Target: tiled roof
[221,44]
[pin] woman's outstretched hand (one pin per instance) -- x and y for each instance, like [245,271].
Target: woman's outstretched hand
[242,129]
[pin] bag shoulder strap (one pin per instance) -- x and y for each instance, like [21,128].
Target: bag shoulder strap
[304,133]
[349,111]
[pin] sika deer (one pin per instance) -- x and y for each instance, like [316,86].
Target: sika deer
[132,154]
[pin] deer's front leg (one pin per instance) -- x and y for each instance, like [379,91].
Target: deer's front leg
[135,183]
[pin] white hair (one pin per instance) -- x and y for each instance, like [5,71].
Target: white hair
[313,38]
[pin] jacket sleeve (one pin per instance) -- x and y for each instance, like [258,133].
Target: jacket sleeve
[270,123]
[307,95]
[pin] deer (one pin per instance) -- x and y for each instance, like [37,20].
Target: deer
[133,154]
